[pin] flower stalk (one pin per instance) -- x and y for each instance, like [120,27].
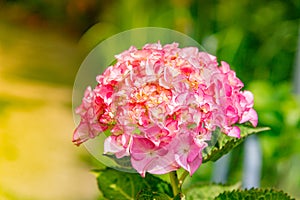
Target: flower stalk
[182,178]
[175,183]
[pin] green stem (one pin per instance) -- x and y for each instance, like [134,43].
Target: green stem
[182,178]
[174,182]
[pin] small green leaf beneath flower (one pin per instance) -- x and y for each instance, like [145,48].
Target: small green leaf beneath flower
[121,185]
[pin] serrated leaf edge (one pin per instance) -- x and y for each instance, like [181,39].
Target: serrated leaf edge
[262,190]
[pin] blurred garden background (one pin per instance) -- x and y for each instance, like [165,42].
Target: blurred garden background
[43,42]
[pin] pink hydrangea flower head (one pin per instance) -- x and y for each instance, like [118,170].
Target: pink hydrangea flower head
[161,104]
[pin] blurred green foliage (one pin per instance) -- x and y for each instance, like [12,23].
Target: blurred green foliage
[257,38]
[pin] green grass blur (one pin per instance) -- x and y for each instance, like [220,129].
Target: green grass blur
[42,44]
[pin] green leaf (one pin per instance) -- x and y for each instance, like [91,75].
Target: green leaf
[208,191]
[254,193]
[121,185]
[150,195]
[226,143]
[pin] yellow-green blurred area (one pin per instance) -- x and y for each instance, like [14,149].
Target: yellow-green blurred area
[43,42]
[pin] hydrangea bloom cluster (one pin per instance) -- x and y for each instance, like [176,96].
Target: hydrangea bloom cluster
[161,105]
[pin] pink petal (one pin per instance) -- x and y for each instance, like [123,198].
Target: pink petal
[251,116]
[81,134]
[146,157]
[118,145]
[193,166]
[233,131]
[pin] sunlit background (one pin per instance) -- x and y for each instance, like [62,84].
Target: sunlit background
[42,44]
